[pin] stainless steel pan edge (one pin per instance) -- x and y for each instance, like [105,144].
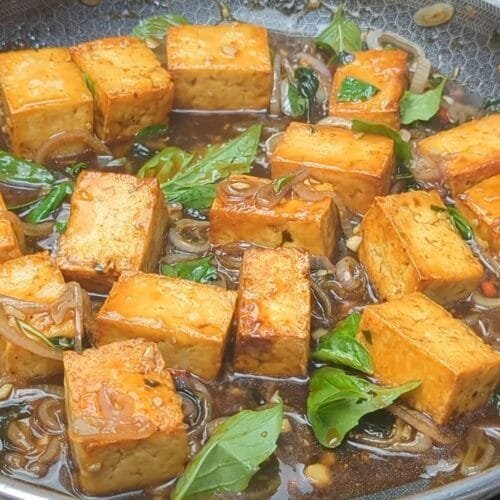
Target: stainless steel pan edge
[470,41]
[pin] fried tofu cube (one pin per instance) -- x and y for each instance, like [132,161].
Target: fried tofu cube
[387,71]
[409,244]
[189,321]
[292,223]
[222,67]
[131,88]
[10,246]
[481,207]
[125,420]
[466,154]
[35,278]
[413,338]
[358,167]
[274,313]
[117,223]
[42,93]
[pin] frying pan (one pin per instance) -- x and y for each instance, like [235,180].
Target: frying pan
[470,42]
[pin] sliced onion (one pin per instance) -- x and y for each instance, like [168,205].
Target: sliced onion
[175,211]
[479,454]
[317,64]
[321,262]
[55,142]
[230,255]
[336,121]
[349,274]
[272,142]
[48,416]
[114,404]
[434,15]
[323,300]
[238,188]
[267,197]
[479,299]
[275,102]
[197,243]
[39,230]
[459,112]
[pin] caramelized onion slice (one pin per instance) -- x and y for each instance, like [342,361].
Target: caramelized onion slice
[479,453]
[190,236]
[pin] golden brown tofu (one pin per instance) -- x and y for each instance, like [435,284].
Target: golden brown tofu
[481,206]
[413,338]
[125,421]
[358,167]
[35,278]
[292,223]
[42,93]
[409,244]
[117,223]
[222,67]
[274,311]
[189,321]
[386,70]
[131,89]
[466,154]
[10,246]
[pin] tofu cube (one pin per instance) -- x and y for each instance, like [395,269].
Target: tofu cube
[117,223]
[466,154]
[481,206]
[10,245]
[131,88]
[125,420]
[409,244]
[292,223]
[413,338]
[35,278]
[42,93]
[274,313]
[358,167]
[386,70]
[189,321]
[221,67]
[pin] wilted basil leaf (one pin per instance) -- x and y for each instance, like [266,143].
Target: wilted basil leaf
[280,182]
[44,207]
[152,131]
[458,220]
[19,172]
[200,270]
[354,90]
[424,106]
[302,93]
[154,28]
[166,164]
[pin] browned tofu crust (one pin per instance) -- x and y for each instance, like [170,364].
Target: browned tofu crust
[274,311]
[10,244]
[292,223]
[466,154]
[125,421]
[386,70]
[42,93]
[409,244]
[117,223]
[481,206]
[131,88]
[358,167]
[222,67]
[413,338]
[189,321]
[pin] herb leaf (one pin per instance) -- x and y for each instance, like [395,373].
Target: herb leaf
[62,343]
[280,182]
[19,172]
[341,35]
[44,207]
[354,90]
[152,131]
[154,28]
[232,455]
[338,400]
[302,93]
[402,148]
[76,168]
[166,164]
[424,106]
[458,220]
[200,270]
[339,346]
[492,105]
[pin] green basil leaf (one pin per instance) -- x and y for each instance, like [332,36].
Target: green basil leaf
[339,346]
[19,172]
[60,226]
[298,103]
[458,220]
[200,270]
[232,455]
[354,90]
[195,198]
[44,208]
[154,28]
[75,169]
[166,164]
[341,35]
[423,107]
[280,182]
[152,131]
[338,400]
[492,105]
[402,148]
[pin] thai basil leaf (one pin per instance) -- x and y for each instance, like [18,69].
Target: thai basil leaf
[34,333]
[75,169]
[339,346]
[341,35]
[166,164]
[200,270]
[280,182]
[152,131]
[458,220]
[19,172]
[297,102]
[44,208]
[302,93]
[194,198]
[423,107]
[338,400]
[63,343]
[354,90]
[402,148]
[492,105]
[232,455]
[154,28]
